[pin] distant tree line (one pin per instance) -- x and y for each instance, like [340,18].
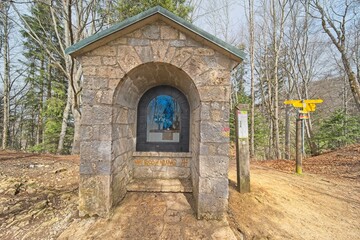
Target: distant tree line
[292,46]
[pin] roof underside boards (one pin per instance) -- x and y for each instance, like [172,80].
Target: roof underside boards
[149,16]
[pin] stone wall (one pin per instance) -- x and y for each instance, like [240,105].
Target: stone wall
[163,165]
[116,75]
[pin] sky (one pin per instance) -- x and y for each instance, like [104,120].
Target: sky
[210,13]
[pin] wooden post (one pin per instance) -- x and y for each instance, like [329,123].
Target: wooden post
[242,148]
[299,144]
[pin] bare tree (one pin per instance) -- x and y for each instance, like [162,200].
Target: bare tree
[219,21]
[335,19]
[5,24]
[79,20]
[250,6]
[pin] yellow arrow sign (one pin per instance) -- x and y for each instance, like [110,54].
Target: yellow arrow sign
[308,105]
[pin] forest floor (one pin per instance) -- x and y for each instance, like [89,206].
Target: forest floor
[39,194]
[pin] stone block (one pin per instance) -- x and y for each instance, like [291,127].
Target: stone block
[143,172]
[223,62]
[205,111]
[217,116]
[95,151]
[120,131]
[118,186]
[217,187]
[121,146]
[204,51]
[209,149]
[181,56]
[159,49]
[95,83]
[177,43]
[213,132]
[86,133]
[128,58]
[90,61]
[182,36]
[109,72]
[121,165]
[138,42]
[151,32]
[118,41]
[213,77]
[98,114]
[192,43]
[195,66]
[114,82]
[88,97]
[104,96]
[168,33]
[95,132]
[103,132]
[95,195]
[145,53]
[89,70]
[105,50]
[169,54]
[214,93]
[109,61]
[211,207]
[121,116]
[213,166]
[223,149]
[135,34]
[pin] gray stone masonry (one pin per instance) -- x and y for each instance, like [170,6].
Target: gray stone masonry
[116,75]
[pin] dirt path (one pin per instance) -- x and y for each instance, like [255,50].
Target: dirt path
[38,194]
[288,206]
[38,200]
[150,216]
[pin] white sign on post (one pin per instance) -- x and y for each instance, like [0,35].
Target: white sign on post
[242,124]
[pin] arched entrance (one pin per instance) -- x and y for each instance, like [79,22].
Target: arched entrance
[163,121]
[120,65]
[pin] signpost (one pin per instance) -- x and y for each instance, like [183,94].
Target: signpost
[242,148]
[305,106]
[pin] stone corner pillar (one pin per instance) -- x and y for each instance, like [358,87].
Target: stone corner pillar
[213,187]
[94,195]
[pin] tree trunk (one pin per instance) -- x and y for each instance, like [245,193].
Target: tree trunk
[39,130]
[252,79]
[6,98]
[354,84]
[76,141]
[339,40]
[64,123]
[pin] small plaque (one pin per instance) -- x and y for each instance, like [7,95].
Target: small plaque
[242,124]
[167,136]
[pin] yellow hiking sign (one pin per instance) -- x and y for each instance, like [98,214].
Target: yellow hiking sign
[308,105]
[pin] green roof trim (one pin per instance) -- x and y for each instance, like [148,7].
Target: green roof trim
[148,13]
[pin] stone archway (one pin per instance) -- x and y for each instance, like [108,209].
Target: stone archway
[129,163]
[122,63]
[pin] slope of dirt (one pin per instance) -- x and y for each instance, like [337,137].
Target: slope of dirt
[322,203]
[39,194]
[341,163]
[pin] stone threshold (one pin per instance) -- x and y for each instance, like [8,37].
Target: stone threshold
[160,185]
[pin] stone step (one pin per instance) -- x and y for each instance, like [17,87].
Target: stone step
[160,185]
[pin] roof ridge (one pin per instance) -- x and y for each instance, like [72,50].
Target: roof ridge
[146,14]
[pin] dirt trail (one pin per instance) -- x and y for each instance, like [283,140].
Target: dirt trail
[289,206]
[38,200]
